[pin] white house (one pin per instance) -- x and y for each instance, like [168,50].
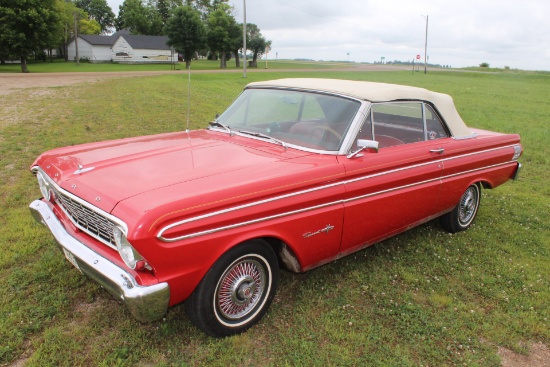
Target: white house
[96,48]
[129,48]
[123,47]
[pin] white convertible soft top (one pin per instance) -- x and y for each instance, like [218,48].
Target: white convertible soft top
[378,92]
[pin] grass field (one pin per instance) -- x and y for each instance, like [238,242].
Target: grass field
[62,66]
[424,298]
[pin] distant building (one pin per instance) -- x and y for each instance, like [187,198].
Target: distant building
[122,47]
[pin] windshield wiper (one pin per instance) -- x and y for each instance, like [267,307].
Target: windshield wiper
[219,124]
[264,136]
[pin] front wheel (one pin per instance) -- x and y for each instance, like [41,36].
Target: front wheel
[237,291]
[462,215]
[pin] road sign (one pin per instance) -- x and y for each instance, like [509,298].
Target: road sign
[418,57]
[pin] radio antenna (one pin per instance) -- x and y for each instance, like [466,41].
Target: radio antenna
[188,95]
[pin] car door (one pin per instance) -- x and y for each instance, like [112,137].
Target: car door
[399,186]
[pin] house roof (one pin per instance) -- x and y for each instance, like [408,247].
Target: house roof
[102,40]
[378,92]
[96,39]
[147,42]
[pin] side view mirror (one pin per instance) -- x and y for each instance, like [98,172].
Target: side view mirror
[370,146]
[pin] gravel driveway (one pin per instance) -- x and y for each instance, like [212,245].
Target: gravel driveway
[15,81]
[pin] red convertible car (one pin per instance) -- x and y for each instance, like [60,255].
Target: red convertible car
[294,174]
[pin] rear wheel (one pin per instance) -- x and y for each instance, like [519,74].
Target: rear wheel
[237,291]
[462,215]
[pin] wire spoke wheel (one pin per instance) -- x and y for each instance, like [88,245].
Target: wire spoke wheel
[237,290]
[467,207]
[240,289]
[464,213]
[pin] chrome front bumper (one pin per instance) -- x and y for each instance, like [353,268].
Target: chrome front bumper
[146,304]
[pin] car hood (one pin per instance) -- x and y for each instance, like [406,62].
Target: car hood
[106,173]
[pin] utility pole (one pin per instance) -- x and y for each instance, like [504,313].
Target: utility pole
[244,39]
[426,47]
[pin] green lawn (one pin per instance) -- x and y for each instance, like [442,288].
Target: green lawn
[423,298]
[59,66]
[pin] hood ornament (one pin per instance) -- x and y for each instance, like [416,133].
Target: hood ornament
[82,169]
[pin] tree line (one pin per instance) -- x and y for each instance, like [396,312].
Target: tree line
[30,28]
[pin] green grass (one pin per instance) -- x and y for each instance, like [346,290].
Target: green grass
[422,298]
[60,66]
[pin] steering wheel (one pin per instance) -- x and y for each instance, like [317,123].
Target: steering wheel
[326,131]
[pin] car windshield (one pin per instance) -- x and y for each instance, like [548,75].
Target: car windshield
[303,119]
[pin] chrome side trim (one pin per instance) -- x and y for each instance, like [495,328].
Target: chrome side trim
[242,224]
[476,153]
[301,192]
[244,206]
[471,136]
[281,215]
[146,303]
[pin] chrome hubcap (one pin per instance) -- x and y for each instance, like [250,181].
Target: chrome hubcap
[240,289]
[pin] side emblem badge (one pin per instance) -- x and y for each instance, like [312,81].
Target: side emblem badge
[326,230]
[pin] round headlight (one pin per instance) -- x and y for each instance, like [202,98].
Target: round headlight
[43,184]
[128,254]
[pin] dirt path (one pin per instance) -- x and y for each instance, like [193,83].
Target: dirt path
[12,82]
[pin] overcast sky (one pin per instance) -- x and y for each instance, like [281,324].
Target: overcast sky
[460,33]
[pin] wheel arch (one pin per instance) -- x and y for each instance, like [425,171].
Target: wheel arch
[286,256]
[485,184]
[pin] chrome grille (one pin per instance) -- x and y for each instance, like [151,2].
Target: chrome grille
[87,219]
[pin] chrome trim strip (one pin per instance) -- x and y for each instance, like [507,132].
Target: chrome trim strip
[286,196]
[475,153]
[441,160]
[242,224]
[343,201]
[84,203]
[465,137]
[360,117]
[146,303]
[390,190]
[82,170]
[244,206]
[289,145]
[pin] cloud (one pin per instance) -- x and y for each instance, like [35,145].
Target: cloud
[460,33]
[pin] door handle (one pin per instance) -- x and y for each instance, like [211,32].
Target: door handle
[438,151]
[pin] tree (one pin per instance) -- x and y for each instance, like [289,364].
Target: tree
[140,18]
[89,26]
[67,11]
[219,38]
[256,42]
[98,10]
[186,32]
[236,35]
[27,27]
[163,8]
